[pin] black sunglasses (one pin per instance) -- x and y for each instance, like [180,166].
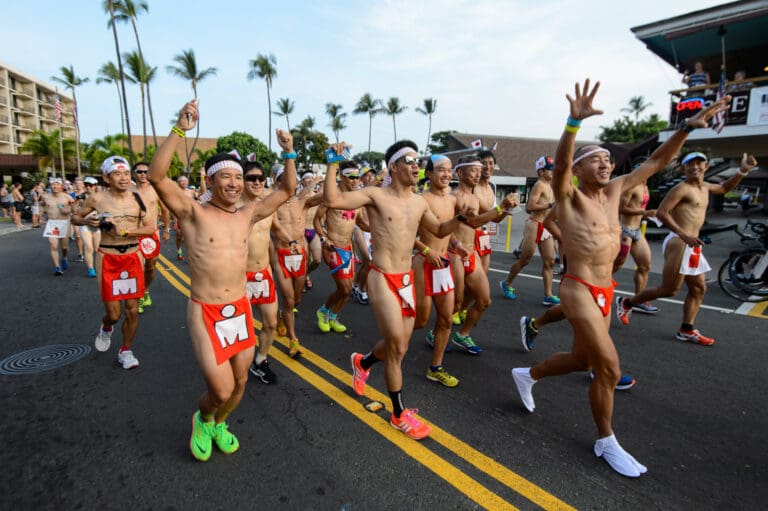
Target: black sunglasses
[410,160]
[141,171]
[255,177]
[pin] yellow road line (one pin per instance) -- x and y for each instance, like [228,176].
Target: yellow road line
[758,310]
[183,276]
[468,486]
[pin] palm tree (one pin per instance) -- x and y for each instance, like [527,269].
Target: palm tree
[636,106]
[46,147]
[284,107]
[70,80]
[108,73]
[337,118]
[139,73]
[99,149]
[370,106]
[430,105]
[264,66]
[200,157]
[187,69]
[109,7]
[394,109]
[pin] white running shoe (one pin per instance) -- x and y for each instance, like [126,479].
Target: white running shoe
[127,359]
[524,384]
[103,340]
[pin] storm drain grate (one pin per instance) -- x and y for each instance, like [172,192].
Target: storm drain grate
[44,358]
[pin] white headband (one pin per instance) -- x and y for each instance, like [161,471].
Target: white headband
[399,154]
[590,153]
[226,164]
[466,164]
[55,180]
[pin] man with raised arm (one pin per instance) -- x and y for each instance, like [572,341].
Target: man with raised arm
[292,252]
[683,211]
[260,288]
[218,313]
[57,207]
[589,219]
[150,245]
[122,218]
[395,213]
[334,227]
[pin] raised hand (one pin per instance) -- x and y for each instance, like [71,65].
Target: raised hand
[581,105]
[510,201]
[285,139]
[701,119]
[188,116]
[748,162]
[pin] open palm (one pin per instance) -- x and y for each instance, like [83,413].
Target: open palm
[581,105]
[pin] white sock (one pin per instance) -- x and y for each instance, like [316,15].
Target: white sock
[260,358]
[620,460]
[524,383]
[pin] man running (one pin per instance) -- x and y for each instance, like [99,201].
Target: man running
[395,213]
[90,236]
[540,201]
[150,245]
[362,240]
[57,207]
[588,217]
[260,287]
[218,313]
[335,227]
[468,272]
[633,214]
[122,218]
[288,230]
[683,211]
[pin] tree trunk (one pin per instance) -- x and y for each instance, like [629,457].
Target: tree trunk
[370,123]
[394,127]
[122,113]
[269,120]
[77,134]
[429,133]
[151,118]
[122,82]
[143,120]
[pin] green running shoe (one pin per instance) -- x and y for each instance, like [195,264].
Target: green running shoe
[442,376]
[225,441]
[200,441]
[147,299]
[323,322]
[141,305]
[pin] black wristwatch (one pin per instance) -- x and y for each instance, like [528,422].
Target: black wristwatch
[684,126]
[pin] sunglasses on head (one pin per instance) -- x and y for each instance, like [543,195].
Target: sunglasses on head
[255,177]
[410,160]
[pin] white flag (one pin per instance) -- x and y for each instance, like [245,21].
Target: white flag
[477,144]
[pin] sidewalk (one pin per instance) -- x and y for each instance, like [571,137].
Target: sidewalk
[8,227]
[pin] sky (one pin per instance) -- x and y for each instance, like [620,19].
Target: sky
[495,67]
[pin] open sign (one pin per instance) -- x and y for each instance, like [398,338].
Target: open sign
[690,104]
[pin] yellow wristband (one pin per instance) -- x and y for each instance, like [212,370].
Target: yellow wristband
[571,129]
[425,251]
[123,233]
[498,209]
[180,132]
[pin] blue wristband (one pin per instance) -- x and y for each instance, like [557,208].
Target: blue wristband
[289,156]
[573,122]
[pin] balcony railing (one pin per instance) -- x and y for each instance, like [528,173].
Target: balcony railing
[686,103]
[4,119]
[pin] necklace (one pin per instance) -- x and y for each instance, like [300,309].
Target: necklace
[224,210]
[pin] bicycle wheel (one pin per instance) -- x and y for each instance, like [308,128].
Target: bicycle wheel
[724,279]
[739,269]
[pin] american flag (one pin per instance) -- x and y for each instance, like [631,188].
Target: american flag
[57,106]
[718,121]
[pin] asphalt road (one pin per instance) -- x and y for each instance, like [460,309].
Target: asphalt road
[90,435]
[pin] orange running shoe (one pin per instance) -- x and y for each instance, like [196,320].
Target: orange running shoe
[410,425]
[281,328]
[694,336]
[359,375]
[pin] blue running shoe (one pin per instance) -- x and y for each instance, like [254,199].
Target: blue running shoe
[64,264]
[91,272]
[625,382]
[527,332]
[549,301]
[430,338]
[467,344]
[509,292]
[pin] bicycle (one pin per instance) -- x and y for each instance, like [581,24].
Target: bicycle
[743,275]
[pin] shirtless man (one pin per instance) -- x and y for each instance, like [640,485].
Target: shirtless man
[588,217]
[314,246]
[150,245]
[183,184]
[260,287]
[78,191]
[218,313]
[467,271]
[57,207]
[683,211]
[335,227]
[90,236]
[288,230]
[362,240]
[432,273]
[122,218]
[540,201]
[395,213]
[633,214]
